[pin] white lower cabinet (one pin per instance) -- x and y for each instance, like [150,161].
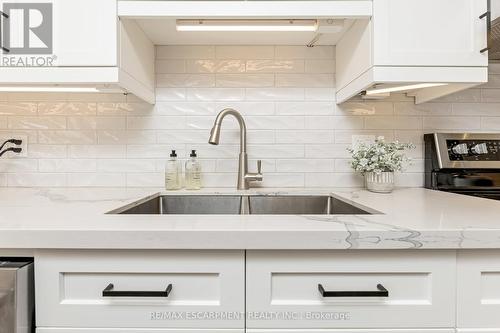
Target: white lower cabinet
[360,289]
[172,291]
[478,278]
[139,291]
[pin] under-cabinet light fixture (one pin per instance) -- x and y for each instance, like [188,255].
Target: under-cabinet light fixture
[377,91]
[247,25]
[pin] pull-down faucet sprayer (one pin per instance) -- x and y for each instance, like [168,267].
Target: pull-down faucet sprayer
[244,177]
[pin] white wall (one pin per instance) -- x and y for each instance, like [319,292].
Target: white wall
[285,93]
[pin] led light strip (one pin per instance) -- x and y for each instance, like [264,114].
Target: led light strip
[247,25]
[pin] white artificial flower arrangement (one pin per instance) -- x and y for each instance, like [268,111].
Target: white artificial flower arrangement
[380,156]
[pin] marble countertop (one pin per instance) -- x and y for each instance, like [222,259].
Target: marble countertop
[411,218]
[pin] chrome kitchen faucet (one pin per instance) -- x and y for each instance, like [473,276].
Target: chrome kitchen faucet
[244,177]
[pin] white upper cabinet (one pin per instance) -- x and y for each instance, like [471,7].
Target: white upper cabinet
[72,32]
[426,48]
[74,45]
[85,32]
[429,33]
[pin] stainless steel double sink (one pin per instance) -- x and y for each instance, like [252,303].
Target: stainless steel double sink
[242,205]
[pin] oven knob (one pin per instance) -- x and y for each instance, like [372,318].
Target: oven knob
[460,149]
[479,149]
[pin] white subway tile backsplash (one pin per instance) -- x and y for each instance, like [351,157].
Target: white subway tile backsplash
[333,122]
[185,80]
[126,165]
[215,94]
[119,137]
[306,165]
[299,136]
[320,66]
[248,108]
[67,109]
[182,136]
[31,179]
[150,151]
[275,66]
[286,94]
[96,179]
[95,151]
[490,123]
[67,165]
[156,122]
[305,80]
[464,96]
[81,122]
[452,123]
[184,109]
[333,180]
[37,122]
[345,136]
[67,137]
[304,52]
[476,109]
[320,94]
[426,109]
[275,122]
[244,52]
[215,66]
[490,95]
[366,108]
[170,66]
[185,52]
[47,151]
[10,165]
[150,179]
[120,109]
[274,94]
[388,122]
[170,94]
[18,109]
[327,151]
[308,108]
[244,80]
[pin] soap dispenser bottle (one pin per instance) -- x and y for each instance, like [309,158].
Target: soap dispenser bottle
[193,172]
[173,170]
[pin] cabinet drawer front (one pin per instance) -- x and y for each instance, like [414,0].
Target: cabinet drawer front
[282,289]
[139,330]
[413,330]
[478,281]
[150,289]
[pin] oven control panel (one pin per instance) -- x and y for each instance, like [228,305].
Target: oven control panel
[473,150]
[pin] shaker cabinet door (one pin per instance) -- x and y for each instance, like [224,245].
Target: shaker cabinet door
[60,33]
[429,33]
[478,284]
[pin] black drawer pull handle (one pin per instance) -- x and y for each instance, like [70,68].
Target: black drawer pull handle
[381,292]
[109,292]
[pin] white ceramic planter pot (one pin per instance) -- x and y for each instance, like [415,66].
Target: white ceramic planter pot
[379,182]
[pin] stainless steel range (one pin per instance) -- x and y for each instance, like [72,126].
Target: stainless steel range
[466,163]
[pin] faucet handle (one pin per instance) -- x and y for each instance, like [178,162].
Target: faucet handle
[259,166]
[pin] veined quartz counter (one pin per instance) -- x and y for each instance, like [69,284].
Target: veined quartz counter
[412,218]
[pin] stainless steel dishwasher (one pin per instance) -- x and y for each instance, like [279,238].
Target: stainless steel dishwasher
[17,300]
